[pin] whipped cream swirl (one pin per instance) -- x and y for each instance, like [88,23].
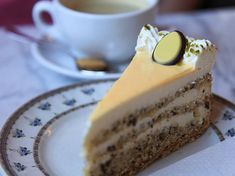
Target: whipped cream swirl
[150,36]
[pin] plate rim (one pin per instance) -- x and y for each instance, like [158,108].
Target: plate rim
[4,133]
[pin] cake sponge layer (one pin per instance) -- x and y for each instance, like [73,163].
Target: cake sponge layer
[156,145]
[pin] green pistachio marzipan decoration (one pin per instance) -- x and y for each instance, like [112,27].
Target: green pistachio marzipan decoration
[170,50]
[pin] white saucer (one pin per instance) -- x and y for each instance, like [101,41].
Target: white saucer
[63,64]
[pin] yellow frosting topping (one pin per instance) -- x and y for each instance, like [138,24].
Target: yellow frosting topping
[142,75]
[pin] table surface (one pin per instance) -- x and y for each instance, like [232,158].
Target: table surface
[22,78]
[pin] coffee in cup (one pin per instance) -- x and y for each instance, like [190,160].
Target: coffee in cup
[97,28]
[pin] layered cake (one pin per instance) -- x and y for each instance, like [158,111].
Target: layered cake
[161,102]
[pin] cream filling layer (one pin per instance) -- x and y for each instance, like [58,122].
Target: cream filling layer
[186,98]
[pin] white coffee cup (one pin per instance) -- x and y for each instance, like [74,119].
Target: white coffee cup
[109,36]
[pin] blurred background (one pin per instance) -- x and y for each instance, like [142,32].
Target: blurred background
[16,12]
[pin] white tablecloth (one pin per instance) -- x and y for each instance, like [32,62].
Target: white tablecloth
[21,78]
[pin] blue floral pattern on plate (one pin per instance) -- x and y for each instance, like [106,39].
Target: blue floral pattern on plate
[45,106]
[36,122]
[71,102]
[88,91]
[19,167]
[23,151]
[228,115]
[18,133]
[231,132]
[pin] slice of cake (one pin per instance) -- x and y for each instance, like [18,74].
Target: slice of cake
[161,102]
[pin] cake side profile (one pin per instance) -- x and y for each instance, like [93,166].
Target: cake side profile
[157,105]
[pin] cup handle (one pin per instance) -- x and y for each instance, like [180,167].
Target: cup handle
[41,24]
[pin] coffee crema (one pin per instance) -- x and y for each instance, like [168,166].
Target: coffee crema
[106,6]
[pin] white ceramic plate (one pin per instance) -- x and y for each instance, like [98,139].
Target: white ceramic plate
[62,63]
[45,136]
